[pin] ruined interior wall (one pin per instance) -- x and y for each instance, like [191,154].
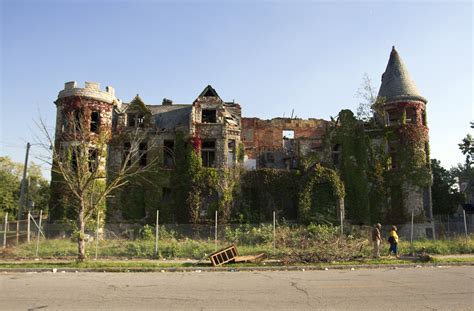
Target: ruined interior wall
[266,136]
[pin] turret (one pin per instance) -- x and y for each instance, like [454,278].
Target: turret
[84,118]
[404,112]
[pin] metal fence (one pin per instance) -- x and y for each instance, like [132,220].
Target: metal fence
[214,234]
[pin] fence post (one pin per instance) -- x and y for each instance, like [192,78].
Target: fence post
[465,224]
[5,225]
[157,234]
[39,231]
[97,235]
[17,232]
[215,232]
[411,231]
[449,233]
[28,228]
[274,232]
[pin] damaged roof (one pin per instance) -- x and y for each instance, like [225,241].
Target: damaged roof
[168,117]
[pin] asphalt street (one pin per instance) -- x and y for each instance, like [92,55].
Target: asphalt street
[427,288]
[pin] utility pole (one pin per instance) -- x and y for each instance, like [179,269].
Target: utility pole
[23,183]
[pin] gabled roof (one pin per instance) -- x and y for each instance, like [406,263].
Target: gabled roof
[396,81]
[138,104]
[209,92]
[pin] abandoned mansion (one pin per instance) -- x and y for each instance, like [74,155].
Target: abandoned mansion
[205,156]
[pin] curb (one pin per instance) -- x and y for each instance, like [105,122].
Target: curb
[231,269]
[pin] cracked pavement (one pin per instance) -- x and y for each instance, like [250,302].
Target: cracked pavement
[428,288]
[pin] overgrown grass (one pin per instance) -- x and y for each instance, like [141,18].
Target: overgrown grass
[314,243]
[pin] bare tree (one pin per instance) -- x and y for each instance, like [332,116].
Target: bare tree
[79,157]
[367,96]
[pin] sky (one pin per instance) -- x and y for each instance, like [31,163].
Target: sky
[272,57]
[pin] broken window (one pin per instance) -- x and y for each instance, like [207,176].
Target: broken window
[136,120]
[288,134]
[336,155]
[208,153]
[208,116]
[168,151]
[95,121]
[393,117]
[231,153]
[410,115]
[93,160]
[142,154]
[126,156]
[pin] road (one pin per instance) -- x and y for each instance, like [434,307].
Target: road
[433,288]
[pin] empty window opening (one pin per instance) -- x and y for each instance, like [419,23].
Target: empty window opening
[288,134]
[410,115]
[424,118]
[336,154]
[93,160]
[168,152]
[136,120]
[208,153]
[142,154]
[95,121]
[209,116]
[393,117]
[126,155]
[231,153]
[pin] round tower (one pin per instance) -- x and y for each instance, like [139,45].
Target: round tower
[404,113]
[83,120]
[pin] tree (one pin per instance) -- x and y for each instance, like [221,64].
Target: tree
[367,95]
[10,179]
[467,148]
[446,197]
[78,160]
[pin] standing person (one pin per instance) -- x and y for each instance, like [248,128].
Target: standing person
[393,240]
[376,240]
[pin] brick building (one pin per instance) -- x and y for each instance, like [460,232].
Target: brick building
[228,141]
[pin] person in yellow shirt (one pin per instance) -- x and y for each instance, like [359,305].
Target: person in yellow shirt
[393,240]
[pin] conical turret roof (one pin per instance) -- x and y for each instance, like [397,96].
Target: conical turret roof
[396,81]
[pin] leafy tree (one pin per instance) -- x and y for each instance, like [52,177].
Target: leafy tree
[467,148]
[10,180]
[445,197]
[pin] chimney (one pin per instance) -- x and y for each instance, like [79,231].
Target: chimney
[167,102]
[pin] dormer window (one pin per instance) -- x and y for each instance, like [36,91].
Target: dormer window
[208,116]
[136,120]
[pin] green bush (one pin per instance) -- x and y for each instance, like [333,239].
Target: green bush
[249,235]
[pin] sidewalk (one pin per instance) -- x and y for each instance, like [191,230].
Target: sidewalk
[189,265]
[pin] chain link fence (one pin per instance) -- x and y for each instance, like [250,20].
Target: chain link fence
[36,237]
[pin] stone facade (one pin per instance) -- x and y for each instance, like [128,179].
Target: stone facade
[226,140]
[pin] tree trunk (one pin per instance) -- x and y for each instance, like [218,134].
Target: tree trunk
[81,243]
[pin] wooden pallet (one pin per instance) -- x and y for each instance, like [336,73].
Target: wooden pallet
[224,255]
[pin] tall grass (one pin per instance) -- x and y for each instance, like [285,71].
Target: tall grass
[314,242]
